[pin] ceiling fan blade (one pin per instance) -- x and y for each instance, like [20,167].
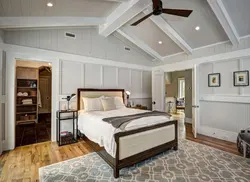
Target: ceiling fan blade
[142,19]
[178,12]
[156,3]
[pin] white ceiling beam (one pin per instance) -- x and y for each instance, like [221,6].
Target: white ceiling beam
[27,22]
[169,31]
[122,14]
[132,38]
[222,15]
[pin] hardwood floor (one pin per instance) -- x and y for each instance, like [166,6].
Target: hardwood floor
[23,163]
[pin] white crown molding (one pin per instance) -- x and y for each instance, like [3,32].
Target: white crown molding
[38,54]
[26,22]
[121,15]
[170,32]
[172,55]
[141,44]
[222,15]
[211,45]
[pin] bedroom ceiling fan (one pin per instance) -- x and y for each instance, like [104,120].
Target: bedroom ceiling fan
[157,10]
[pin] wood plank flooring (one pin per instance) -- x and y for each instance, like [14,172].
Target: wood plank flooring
[23,163]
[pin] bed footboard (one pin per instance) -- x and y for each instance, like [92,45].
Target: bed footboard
[140,144]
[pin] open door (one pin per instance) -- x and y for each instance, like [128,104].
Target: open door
[195,100]
[158,90]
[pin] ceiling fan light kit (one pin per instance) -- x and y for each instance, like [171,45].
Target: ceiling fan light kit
[158,10]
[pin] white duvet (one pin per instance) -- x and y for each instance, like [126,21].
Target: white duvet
[102,133]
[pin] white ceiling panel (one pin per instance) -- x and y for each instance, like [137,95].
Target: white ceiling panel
[210,32]
[239,12]
[85,8]
[150,34]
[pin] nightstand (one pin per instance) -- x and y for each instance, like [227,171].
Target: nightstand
[140,107]
[66,118]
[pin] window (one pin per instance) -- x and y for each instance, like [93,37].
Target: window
[181,87]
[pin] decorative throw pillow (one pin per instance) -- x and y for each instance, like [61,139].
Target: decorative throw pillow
[92,104]
[108,103]
[119,102]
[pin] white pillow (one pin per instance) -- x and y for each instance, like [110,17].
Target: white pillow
[108,103]
[119,102]
[92,104]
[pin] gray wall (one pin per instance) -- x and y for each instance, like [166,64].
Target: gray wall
[225,108]
[87,43]
[172,89]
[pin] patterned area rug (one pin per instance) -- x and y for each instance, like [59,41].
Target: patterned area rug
[193,162]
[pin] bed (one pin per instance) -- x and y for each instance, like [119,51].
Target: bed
[122,147]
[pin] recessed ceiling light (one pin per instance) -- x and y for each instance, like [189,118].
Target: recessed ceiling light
[49,4]
[197,28]
[160,42]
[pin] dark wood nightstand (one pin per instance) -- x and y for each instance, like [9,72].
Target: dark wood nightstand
[140,107]
[67,137]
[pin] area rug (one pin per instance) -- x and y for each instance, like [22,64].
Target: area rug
[193,162]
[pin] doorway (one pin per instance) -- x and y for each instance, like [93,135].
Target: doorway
[33,102]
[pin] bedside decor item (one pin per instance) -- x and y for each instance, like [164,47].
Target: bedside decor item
[128,94]
[243,142]
[214,80]
[68,98]
[67,137]
[241,78]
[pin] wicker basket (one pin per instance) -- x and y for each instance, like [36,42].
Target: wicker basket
[31,117]
[32,93]
[26,117]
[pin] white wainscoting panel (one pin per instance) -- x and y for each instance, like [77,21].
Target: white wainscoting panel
[124,78]
[93,76]
[71,73]
[226,70]
[204,70]
[136,84]
[74,75]
[109,77]
[231,117]
[246,66]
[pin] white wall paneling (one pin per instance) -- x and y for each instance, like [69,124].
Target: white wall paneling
[87,42]
[73,76]
[75,80]
[224,110]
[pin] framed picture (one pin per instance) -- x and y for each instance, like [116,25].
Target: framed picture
[214,80]
[241,78]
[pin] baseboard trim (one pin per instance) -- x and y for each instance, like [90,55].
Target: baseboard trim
[218,133]
[188,120]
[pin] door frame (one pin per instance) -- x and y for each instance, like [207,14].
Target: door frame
[1,100]
[10,93]
[192,67]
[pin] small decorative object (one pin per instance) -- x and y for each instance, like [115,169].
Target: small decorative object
[68,98]
[214,80]
[34,85]
[128,94]
[241,78]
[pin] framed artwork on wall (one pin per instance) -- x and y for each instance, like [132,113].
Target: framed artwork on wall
[241,78]
[214,80]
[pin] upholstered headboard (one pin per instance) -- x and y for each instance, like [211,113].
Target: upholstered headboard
[93,93]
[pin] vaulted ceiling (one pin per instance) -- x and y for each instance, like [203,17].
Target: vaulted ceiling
[219,21]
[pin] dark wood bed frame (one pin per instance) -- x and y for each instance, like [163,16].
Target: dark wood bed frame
[117,164]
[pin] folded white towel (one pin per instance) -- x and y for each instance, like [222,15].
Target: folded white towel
[19,94]
[25,94]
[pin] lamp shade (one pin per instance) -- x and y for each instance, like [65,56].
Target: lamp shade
[128,92]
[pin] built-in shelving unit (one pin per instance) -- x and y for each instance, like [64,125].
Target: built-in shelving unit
[27,80]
